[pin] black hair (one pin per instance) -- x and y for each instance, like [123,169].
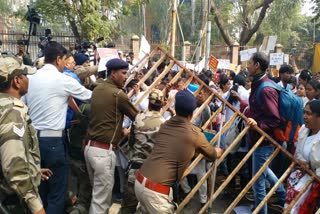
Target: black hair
[238,80]
[204,78]
[155,107]
[305,75]
[208,73]
[262,59]
[6,85]
[232,74]
[132,83]
[53,50]
[223,80]
[161,66]
[286,69]
[314,107]
[314,84]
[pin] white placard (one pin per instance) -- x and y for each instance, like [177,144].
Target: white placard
[271,43]
[245,55]
[276,58]
[144,47]
[286,59]
[224,63]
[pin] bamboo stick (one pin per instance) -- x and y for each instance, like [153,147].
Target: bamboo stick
[274,188]
[305,187]
[252,181]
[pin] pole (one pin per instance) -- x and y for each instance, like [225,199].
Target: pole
[144,20]
[208,45]
[198,51]
[29,34]
[174,27]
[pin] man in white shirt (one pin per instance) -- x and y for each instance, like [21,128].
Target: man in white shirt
[47,99]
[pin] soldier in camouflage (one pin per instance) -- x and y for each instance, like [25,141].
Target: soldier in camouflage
[19,149]
[145,128]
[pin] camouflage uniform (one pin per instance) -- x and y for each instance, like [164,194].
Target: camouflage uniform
[77,163]
[19,149]
[146,126]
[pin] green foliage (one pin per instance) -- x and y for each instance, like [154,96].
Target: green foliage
[84,17]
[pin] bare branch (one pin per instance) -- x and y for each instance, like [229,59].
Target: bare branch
[225,34]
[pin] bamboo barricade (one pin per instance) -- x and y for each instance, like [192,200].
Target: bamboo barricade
[212,94]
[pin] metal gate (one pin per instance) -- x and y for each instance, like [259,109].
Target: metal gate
[191,77]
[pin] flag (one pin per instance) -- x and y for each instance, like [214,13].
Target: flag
[213,63]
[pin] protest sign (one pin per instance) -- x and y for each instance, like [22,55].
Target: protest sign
[276,58]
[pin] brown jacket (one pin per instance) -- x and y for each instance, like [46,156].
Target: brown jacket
[175,145]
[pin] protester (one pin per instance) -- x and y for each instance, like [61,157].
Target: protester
[267,119]
[307,153]
[47,99]
[312,90]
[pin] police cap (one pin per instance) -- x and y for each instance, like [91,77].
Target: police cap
[116,64]
[185,103]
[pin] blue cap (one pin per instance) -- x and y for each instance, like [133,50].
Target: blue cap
[193,87]
[116,64]
[80,58]
[185,103]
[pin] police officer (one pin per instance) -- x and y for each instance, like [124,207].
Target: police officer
[109,104]
[145,127]
[19,149]
[175,145]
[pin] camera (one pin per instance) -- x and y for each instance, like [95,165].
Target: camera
[32,16]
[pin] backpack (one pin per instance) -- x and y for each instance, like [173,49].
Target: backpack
[290,110]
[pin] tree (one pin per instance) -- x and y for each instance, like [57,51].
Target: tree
[248,13]
[86,18]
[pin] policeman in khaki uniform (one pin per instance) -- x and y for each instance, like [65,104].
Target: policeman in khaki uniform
[109,104]
[145,128]
[19,149]
[175,145]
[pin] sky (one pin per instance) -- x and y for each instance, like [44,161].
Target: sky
[306,9]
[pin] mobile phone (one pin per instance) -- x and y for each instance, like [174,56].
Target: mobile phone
[293,50]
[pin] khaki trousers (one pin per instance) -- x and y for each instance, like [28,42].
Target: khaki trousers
[100,165]
[152,202]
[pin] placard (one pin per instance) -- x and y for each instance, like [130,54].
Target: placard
[276,58]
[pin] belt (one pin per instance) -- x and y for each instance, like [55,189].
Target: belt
[152,185]
[100,145]
[50,133]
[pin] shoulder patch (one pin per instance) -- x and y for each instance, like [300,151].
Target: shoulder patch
[18,103]
[19,132]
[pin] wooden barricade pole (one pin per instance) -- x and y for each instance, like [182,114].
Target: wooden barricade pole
[305,187]
[274,188]
[252,181]
[152,86]
[233,173]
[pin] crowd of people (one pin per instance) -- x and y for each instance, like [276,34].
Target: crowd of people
[68,133]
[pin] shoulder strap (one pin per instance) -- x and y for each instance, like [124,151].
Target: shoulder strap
[263,85]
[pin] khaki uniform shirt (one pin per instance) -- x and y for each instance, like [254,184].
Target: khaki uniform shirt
[175,145]
[108,106]
[19,153]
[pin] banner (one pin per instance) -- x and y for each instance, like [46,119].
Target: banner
[213,63]
[316,57]
[105,55]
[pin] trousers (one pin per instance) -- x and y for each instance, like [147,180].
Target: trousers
[100,165]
